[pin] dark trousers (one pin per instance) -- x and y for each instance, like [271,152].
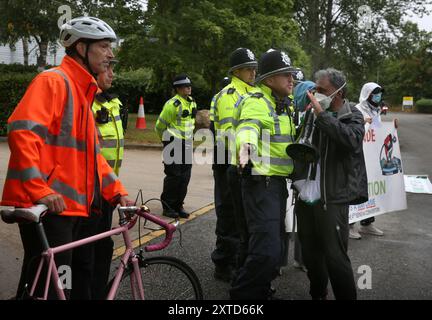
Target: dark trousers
[175,185]
[227,237]
[103,251]
[264,201]
[324,242]
[177,174]
[91,263]
[234,183]
[59,230]
[368,221]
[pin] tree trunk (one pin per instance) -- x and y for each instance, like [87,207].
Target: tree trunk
[312,33]
[328,31]
[43,50]
[25,50]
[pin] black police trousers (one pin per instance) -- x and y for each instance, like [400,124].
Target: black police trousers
[264,200]
[234,183]
[177,174]
[227,237]
[324,241]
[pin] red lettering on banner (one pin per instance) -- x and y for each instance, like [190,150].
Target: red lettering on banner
[370,136]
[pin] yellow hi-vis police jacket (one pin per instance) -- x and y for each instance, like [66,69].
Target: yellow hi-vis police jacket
[222,113]
[177,117]
[111,135]
[268,133]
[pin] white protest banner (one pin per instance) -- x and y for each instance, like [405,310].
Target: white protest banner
[384,171]
[418,184]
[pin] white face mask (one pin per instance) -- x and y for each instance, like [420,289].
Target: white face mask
[325,101]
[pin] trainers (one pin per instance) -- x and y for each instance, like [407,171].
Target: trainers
[371,229]
[353,233]
[183,214]
[170,213]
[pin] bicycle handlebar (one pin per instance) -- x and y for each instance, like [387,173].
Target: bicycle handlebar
[169,228]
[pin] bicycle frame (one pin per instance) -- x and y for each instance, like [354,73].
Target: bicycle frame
[128,258]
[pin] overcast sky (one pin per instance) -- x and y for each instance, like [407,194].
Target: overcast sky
[424,23]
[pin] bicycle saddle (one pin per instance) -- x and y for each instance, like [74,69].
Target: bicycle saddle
[32,214]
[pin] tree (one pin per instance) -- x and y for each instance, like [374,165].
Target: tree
[407,71]
[39,20]
[31,20]
[333,35]
[197,37]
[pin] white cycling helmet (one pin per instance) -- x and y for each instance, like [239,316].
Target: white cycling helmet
[85,28]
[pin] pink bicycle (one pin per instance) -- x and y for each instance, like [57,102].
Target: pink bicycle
[137,277]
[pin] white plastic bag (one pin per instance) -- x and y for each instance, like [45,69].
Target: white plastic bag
[309,189]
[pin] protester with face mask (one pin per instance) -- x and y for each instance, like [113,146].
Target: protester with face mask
[323,226]
[370,106]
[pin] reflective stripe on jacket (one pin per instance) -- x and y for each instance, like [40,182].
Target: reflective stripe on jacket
[177,118]
[111,137]
[222,113]
[268,133]
[53,143]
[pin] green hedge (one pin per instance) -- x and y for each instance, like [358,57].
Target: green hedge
[12,88]
[132,85]
[16,68]
[129,85]
[424,106]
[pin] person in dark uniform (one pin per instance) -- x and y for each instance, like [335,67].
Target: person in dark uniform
[265,129]
[230,225]
[175,127]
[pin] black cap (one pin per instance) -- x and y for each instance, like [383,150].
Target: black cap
[226,81]
[275,62]
[181,80]
[242,58]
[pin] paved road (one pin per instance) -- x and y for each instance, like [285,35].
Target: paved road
[142,169]
[401,261]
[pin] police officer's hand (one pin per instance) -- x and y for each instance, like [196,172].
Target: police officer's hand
[315,104]
[125,202]
[244,155]
[54,202]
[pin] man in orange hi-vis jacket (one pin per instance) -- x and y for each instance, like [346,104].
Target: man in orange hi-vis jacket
[55,158]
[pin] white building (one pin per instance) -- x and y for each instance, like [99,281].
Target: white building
[8,56]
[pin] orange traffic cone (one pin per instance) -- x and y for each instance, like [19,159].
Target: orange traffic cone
[141,121]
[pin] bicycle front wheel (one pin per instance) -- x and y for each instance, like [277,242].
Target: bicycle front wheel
[163,278]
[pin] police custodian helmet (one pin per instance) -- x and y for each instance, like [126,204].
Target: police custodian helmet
[242,58]
[276,62]
[181,80]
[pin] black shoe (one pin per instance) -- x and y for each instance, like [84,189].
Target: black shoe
[170,213]
[183,214]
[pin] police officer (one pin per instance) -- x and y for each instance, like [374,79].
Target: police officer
[107,109]
[175,127]
[264,131]
[229,211]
